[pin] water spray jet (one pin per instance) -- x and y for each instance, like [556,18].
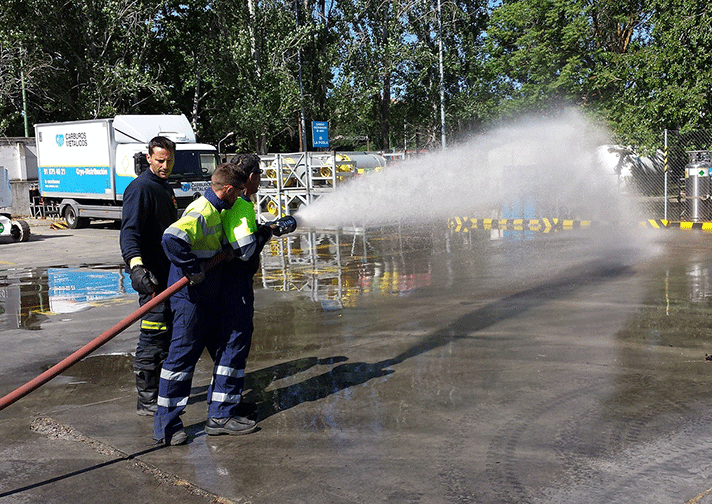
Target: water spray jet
[534,168]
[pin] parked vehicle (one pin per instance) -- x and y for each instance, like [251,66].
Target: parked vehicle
[84,166]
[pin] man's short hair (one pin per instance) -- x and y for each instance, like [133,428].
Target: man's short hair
[162,142]
[227,174]
[247,162]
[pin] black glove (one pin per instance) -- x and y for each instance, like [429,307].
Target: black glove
[264,231]
[228,253]
[143,280]
[196,278]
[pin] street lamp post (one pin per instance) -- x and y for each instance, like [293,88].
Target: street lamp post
[221,141]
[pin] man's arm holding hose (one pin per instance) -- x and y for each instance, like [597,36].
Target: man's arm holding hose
[247,247]
[180,253]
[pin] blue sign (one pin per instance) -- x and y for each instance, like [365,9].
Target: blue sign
[320,134]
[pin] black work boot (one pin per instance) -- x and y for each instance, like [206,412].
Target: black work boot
[234,425]
[147,388]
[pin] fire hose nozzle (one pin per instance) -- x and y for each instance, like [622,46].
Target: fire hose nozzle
[283,226]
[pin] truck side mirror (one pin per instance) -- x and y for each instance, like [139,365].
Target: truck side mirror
[140,163]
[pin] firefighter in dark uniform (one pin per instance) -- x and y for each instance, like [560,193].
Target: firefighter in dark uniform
[149,207]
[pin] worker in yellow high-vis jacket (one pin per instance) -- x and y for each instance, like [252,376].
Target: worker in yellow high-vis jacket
[246,239]
[190,243]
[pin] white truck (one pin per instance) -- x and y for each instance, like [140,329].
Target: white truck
[84,166]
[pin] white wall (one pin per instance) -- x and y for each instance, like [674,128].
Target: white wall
[19,156]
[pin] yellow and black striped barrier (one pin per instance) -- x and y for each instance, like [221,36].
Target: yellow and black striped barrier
[548,225]
[662,223]
[655,223]
[543,225]
[58,225]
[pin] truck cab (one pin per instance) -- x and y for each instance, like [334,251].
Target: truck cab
[194,164]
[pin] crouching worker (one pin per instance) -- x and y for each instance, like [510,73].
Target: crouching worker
[190,243]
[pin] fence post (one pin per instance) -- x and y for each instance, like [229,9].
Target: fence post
[665,183]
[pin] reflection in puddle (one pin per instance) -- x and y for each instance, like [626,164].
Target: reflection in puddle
[338,269]
[700,283]
[73,290]
[28,296]
[23,296]
[335,269]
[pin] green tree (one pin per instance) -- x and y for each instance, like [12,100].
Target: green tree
[374,59]
[19,68]
[325,31]
[256,86]
[93,56]
[184,57]
[468,101]
[672,73]
[539,52]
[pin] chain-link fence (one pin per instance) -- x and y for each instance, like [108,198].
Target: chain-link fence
[673,182]
[688,175]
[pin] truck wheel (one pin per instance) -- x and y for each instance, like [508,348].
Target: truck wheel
[20,231]
[73,220]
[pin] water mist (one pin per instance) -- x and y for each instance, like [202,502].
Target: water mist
[535,168]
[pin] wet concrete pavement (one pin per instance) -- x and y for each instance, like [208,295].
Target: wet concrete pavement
[389,366]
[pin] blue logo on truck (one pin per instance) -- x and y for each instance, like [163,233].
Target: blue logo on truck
[185,186]
[59,139]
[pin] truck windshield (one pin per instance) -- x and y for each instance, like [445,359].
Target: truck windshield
[194,165]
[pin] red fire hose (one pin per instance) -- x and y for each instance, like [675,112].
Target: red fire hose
[99,341]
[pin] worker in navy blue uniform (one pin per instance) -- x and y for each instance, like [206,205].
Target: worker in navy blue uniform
[149,207]
[246,239]
[190,243]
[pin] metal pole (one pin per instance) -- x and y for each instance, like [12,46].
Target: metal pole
[303,135]
[24,95]
[221,141]
[665,190]
[442,77]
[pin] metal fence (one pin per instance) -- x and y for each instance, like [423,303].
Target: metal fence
[688,157]
[673,182]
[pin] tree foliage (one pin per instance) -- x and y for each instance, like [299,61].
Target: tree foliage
[255,68]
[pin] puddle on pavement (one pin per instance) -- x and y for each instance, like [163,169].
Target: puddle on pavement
[335,270]
[330,277]
[97,370]
[29,296]
[339,270]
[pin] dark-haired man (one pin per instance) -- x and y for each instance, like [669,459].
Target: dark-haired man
[149,207]
[246,239]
